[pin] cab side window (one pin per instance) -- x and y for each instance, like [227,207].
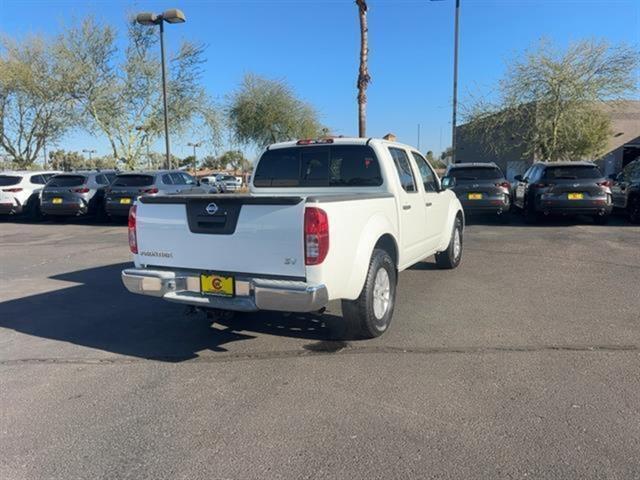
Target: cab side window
[428,175]
[403,167]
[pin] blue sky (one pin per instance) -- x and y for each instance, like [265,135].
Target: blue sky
[313,45]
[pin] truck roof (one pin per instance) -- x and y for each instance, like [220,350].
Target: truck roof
[342,141]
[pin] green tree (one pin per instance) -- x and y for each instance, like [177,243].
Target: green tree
[549,100]
[234,160]
[265,111]
[35,105]
[65,160]
[212,163]
[115,93]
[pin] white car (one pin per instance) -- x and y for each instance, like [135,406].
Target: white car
[331,219]
[229,182]
[20,190]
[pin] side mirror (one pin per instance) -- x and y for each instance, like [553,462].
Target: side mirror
[448,182]
[518,178]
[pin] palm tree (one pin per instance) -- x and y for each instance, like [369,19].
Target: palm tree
[363,73]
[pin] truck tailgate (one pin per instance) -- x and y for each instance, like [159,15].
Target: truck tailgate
[223,233]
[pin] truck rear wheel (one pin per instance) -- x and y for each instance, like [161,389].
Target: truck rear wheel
[370,314]
[451,257]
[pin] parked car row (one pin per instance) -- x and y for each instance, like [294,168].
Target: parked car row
[99,193]
[547,189]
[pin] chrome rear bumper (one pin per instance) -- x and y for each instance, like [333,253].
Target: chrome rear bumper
[252,294]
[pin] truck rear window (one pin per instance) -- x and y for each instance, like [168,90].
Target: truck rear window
[325,166]
[66,181]
[8,180]
[133,181]
[572,172]
[476,173]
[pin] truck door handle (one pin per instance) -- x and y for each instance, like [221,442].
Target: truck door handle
[428,204]
[406,207]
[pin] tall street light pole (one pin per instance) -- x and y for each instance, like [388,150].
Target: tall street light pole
[455,83]
[455,80]
[170,16]
[90,152]
[195,163]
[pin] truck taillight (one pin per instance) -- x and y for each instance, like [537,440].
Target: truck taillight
[133,238]
[316,236]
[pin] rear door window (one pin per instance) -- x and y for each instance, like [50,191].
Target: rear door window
[166,179]
[8,180]
[403,167]
[177,178]
[67,181]
[322,166]
[133,181]
[102,180]
[572,172]
[38,180]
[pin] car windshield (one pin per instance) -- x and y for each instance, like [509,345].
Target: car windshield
[7,180]
[66,181]
[228,178]
[476,173]
[334,166]
[572,172]
[133,181]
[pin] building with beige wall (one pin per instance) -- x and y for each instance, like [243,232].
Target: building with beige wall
[623,145]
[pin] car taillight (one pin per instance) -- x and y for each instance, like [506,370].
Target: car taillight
[149,190]
[506,185]
[316,236]
[133,238]
[541,185]
[81,190]
[606,183]
[12,190]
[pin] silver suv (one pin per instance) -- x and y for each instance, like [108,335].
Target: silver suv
[126,187]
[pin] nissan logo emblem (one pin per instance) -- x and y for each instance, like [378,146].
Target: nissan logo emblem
[211,209]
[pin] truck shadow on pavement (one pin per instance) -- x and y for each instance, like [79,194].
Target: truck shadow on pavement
[100,313]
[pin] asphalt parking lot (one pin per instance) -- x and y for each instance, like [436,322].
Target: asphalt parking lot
[523,362]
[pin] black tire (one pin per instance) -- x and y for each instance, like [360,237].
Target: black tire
[452,256]
[360,314]
[601,219]
[634,209]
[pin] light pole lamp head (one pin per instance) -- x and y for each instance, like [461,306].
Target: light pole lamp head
[174,15]
[148,18]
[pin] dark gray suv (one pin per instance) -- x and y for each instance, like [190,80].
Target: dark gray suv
[563,188]
[480,187]
[75,193]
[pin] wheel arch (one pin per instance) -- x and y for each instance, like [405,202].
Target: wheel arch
[378,232]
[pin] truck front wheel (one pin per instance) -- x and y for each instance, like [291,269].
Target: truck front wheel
[370,314]
[451,257]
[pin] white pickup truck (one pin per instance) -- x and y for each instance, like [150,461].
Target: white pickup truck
[329,219]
